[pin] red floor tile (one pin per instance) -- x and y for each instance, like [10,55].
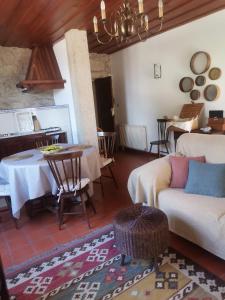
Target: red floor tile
[41,245]
[22,254]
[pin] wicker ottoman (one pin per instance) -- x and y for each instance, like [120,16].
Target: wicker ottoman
[141,232]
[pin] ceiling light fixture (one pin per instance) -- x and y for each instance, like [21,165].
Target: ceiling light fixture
[125,22]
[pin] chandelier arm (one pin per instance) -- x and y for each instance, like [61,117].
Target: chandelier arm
[108,32]
[103,42]
[142,29]
[160,27]
[140,35]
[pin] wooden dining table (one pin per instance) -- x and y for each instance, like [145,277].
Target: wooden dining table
[29,175]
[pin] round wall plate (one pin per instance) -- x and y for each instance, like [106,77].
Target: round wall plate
[195,95]
[211,92]
[200,62]
[186,84]
[215,73]
[200,80]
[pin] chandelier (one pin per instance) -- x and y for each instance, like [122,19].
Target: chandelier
[125,23]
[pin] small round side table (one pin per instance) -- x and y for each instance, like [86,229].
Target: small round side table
[141,232]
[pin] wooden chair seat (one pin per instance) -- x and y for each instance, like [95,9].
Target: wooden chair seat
[160,142]
[79,186]
[105,161]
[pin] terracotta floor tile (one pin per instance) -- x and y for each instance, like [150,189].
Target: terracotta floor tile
[43,244]
[20,255]
[7,260]
[62,236]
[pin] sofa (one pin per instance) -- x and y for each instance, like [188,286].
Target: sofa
[197,218]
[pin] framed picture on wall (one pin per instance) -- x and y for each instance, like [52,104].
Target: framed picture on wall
[157,71]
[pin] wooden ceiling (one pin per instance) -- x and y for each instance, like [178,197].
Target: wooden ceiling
[29,23]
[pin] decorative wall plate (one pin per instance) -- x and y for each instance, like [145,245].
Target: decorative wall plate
[200,62]
[215,73]
[200,80]
[186,84]
[211,92]
[195,95]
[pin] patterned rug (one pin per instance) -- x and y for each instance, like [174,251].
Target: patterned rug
[90,269]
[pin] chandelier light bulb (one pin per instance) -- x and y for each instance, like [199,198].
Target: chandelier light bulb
[140,6]
[160,6]
[146,23]
[95,22]
[103,14]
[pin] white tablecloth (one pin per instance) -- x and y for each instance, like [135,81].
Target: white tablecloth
[29,175]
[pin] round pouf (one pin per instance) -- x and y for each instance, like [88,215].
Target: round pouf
[141,232]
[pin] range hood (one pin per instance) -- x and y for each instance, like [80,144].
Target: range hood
[43,72]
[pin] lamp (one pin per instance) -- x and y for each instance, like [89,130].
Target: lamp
[125,22]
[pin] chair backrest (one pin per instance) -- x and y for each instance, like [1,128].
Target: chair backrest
[54,139]
[41,141]
[162,132]
[106,142]
[66,169]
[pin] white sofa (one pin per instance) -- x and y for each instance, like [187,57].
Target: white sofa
[200,219]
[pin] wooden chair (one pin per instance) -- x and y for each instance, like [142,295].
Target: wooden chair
[66,169]
[5,195]
[163,135]
[106,142]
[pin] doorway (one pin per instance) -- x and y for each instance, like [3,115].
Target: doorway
[104,103]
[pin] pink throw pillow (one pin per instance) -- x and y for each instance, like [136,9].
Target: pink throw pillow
[179,166]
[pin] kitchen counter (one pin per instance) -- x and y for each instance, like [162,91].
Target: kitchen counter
[18,142]
[18,134]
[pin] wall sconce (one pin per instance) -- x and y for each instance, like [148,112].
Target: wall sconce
[157,71]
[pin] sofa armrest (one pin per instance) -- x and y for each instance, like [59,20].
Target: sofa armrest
[145,182]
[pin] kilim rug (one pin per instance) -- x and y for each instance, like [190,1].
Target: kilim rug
[89,269]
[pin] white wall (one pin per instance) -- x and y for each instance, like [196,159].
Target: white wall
[141,98]
[65,96]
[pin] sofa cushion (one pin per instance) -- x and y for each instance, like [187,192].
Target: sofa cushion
[206,179]
[179,166]
[198,218]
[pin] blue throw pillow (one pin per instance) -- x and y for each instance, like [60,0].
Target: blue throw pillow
[206,179]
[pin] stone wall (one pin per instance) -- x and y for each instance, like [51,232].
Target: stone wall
[13,68]
[100,65]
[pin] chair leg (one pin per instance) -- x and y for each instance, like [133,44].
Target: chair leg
[158,150]
[90,202]
[61,210]
[85,210]
[9,206]
[112,175]
[29,208]
[101,183]
[150,150]
[167,150]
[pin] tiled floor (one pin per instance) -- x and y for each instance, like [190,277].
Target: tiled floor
[41,233]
